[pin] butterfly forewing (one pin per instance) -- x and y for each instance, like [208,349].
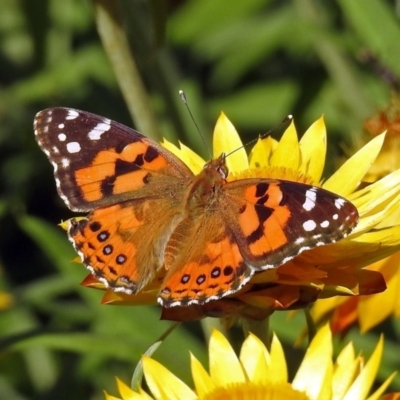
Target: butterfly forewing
[99,162]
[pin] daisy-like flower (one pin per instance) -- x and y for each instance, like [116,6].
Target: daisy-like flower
[261,374]
[369,311]
[331,270]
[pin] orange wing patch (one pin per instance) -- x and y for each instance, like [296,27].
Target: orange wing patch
[115,172]
[213,269]
[104,245]
[122,245]
[268,216]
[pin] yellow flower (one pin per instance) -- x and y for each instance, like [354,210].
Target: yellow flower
[335,269]
[261,374]
[369,311]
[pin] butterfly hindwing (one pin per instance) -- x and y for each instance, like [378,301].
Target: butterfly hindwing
[99,162]
[123,244]
[206,266]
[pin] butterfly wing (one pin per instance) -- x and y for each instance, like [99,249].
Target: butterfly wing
[204,262]
[98,162]
[132,185]
[123,244]
[273,221]
[252,225]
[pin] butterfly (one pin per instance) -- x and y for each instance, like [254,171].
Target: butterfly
[149,214]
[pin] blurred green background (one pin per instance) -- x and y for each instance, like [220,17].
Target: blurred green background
[257,60]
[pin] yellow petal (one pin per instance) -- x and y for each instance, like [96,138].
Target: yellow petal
[261,152]
[171,147]
[324,306]
[349,175]
[192,159]
[124,390]
[345,370]
[163,384]
[109,397]
[225,140]
[127,393]
[255,359]
[388,237]
[376,194]
[313,150]
[202,381]
[278,361]
[379,392]
[287,153]
[143,395]
[225,367]
[374,309]
[364,381]
[188,156]
[315,372]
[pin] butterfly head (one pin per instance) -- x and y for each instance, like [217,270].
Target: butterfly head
[219,165]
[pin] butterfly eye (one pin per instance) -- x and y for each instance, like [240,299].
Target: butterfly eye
[223,170]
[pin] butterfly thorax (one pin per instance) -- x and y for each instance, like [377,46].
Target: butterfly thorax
[202,201]
[206,187]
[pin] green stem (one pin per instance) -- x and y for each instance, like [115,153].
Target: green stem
[115,43]
[137,376]
[312,330]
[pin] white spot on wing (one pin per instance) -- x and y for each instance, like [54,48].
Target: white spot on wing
[309,225]
[324,224]
[61,126]
[62,137]
[335,216]
[65,162]
[311,197]
[99,129]
[73,147]
[300,240]
[72,114]
[339,203]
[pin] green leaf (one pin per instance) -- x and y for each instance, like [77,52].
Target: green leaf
[377,25]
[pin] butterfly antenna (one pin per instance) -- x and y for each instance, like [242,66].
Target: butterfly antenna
[288,118]
[184,99]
